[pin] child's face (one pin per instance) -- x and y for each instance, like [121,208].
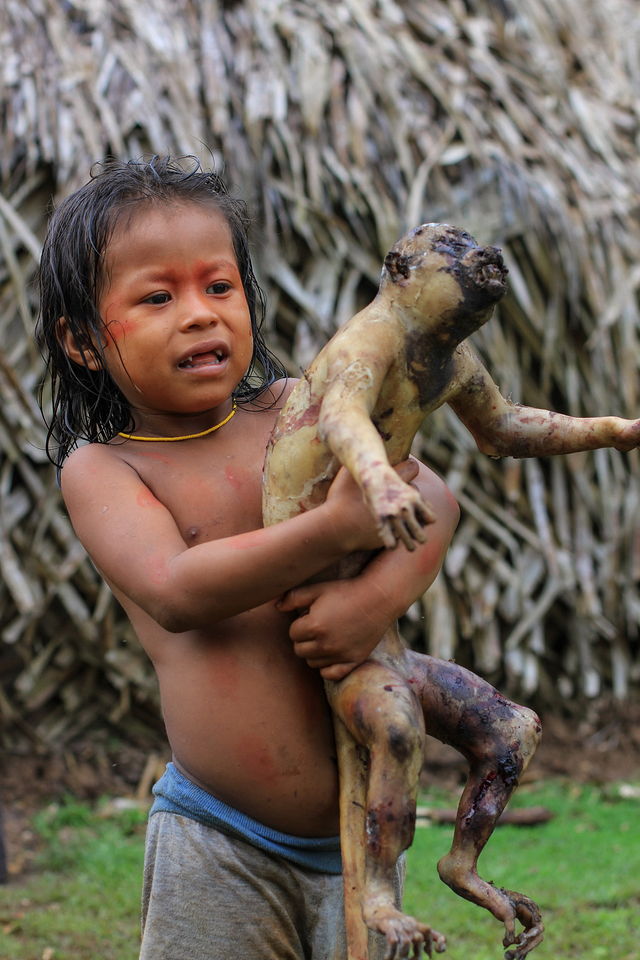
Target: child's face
[178,326]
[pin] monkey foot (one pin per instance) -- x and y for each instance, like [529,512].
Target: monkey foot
[406,936]
[528,913]
[506,905]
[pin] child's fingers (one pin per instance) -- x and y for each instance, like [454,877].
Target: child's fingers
[329,669]
[407,470]
[309,650]
[337,671]
[300,598]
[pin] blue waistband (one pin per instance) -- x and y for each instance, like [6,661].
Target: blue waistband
[174,793]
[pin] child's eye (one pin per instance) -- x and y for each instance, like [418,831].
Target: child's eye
[219,287]
[157,298]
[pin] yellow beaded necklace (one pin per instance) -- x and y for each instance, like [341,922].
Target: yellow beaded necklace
[189,436]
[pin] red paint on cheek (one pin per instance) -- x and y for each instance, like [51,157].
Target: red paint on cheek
[117,325]
[117,330]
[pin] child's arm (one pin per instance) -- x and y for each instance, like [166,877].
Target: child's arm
[341,621]
[504,429]
[134,541]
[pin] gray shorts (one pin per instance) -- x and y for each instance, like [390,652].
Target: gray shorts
[209,896]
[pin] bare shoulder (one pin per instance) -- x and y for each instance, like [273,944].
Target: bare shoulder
[87,459]
[90,468]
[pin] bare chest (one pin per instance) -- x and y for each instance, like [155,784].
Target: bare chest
[212,490]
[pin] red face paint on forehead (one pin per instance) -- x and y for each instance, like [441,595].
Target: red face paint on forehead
[182,243]
[199,270]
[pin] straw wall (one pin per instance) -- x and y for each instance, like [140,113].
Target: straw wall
[344,125]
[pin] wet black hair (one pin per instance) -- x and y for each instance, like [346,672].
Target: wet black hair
[86,405]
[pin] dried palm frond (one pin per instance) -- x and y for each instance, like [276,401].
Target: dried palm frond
[344,125]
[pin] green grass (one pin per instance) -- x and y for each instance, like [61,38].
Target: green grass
[81,902]
[582,868]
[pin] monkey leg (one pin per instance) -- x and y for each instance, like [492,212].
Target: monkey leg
[498,738]
[383,714]
[353,790]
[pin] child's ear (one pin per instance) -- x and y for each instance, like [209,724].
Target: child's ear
[83,357]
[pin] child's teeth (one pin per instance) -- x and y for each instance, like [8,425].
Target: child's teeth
[216,356]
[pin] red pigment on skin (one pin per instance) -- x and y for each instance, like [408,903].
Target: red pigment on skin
[256,756]
[233,479]
[248,542]
[146,499]
[227,675]
[158,457]
[157,569]
[202,270]
[427,556]
[118,329]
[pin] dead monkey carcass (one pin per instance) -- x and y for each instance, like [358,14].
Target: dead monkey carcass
[360,404]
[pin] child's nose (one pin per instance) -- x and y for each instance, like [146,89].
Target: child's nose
[198,311]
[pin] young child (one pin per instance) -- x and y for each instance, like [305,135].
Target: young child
[164,397]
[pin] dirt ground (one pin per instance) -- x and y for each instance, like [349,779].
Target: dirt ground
[600,745]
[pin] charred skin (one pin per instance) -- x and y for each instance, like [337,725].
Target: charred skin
[498,738]
[360,404]
[363,399]
[385,704]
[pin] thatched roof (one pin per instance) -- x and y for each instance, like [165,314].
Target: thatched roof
[344,124]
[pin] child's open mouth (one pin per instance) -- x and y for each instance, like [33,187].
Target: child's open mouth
[208,359]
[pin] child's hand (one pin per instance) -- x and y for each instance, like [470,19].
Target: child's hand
[332,633]
[340,622]
[345,498]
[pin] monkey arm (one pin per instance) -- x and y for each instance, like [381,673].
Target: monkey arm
[502,428]
[346,427]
